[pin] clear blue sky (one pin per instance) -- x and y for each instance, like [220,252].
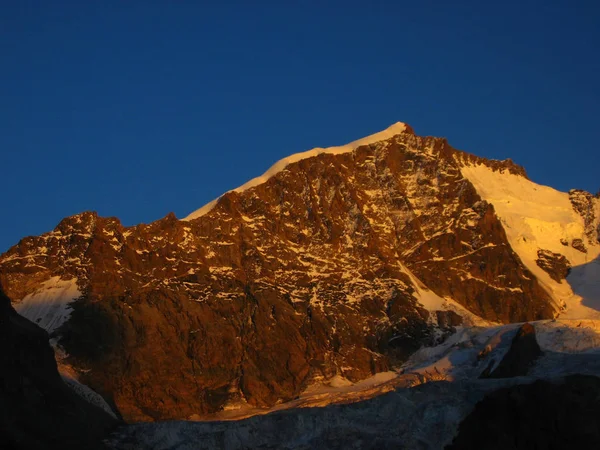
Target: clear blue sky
[138,108]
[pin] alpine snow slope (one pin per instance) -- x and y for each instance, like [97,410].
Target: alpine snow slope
[540,223]
[321,279]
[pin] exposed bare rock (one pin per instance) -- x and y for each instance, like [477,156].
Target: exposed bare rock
[555,264]
[584,203]
[521,355]
[448,319]
[578,244]
[507,165]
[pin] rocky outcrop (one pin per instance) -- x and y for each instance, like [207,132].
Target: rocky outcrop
[523,352]
[37,409]
[506,165]
[554,264]
[578,244]
[308,275]
[542,415]
[584,204]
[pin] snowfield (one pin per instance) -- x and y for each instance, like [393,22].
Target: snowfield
[539,217]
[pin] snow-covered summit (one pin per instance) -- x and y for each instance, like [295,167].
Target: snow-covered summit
[388,133]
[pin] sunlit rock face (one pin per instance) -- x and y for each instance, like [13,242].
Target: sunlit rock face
[338,264]
[586,206]
[554,264]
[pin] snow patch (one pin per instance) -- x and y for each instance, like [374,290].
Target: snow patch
[49,306]
[88,394]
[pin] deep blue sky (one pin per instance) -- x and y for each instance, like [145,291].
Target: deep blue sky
[137,108]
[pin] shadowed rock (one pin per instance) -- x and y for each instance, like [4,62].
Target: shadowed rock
[542,415]
[37,409]
[521,355]
[578,244]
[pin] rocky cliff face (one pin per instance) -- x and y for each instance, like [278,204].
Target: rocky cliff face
[587,207]
[340,263]
[37,409]
[411,412]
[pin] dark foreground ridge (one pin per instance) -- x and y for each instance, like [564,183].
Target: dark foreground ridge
[37,409]
[521,355]
[542,415]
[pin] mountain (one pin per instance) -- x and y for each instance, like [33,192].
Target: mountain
[337,263]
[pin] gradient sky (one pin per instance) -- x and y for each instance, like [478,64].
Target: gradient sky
[138,108]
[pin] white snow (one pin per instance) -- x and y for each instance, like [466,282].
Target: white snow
[470,350]
[280,165]
[539,217]
[568,335]
[88,394]
[49,306]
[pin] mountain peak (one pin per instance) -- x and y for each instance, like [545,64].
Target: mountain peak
[399,127]
[391,131]
[388,133]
